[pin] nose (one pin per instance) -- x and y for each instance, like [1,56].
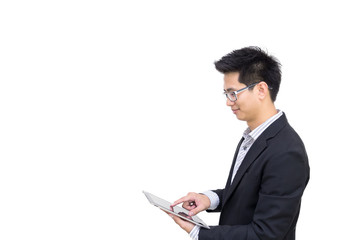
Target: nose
[229,103]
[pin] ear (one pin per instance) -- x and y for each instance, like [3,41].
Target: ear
[263,90]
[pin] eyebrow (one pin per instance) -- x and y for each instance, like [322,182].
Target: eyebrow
[229,90]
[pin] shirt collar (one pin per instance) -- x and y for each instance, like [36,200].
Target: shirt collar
[260,129]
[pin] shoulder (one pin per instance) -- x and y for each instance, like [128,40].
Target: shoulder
[282,133]
[284,145]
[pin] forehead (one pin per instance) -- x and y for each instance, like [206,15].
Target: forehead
[231,81]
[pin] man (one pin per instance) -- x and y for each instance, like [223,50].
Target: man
[262,196]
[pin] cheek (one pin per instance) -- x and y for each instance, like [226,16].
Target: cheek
[245,106]
[237,105]
[247,101]
[242,103]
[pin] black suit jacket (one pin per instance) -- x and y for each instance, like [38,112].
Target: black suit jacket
[263,202]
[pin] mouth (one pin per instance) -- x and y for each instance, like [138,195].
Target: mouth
[235,110]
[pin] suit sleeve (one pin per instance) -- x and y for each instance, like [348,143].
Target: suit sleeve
[283,181]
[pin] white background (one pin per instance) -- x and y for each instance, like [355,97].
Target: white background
[100,100]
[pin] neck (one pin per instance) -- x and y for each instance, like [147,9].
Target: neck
[263,115]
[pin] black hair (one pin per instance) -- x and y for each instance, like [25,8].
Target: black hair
[254,65]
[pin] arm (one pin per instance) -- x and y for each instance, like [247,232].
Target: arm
[283,182]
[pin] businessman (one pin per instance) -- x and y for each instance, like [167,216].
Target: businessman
[269,172]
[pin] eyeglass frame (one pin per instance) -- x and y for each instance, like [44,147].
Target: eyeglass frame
[239,91]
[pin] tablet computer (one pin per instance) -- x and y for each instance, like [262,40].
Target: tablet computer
[176,210]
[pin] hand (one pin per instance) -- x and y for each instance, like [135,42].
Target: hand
[187,226]
[194,202]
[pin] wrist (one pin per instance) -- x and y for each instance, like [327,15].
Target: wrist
[213,199]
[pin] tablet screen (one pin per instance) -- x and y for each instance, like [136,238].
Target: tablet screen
[176,210]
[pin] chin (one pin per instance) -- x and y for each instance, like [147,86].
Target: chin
[239,117]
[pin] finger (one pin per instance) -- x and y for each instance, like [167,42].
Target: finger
[181,200]
[177,219]
[196,210]
[189,208]
[169,214]
[187,226]
[189,205]
[165,211]
[174,217]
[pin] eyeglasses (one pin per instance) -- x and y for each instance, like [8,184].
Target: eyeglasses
[232,96]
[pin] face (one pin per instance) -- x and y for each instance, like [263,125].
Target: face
[246,106]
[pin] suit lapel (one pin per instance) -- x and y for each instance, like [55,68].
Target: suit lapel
[233,164]
[250,157]
[256,149]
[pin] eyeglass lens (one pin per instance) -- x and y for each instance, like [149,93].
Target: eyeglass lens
[231,96]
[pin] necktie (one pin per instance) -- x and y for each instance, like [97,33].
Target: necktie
[244,148]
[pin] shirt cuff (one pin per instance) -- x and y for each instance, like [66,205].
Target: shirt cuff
[194,234]
[214,199]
